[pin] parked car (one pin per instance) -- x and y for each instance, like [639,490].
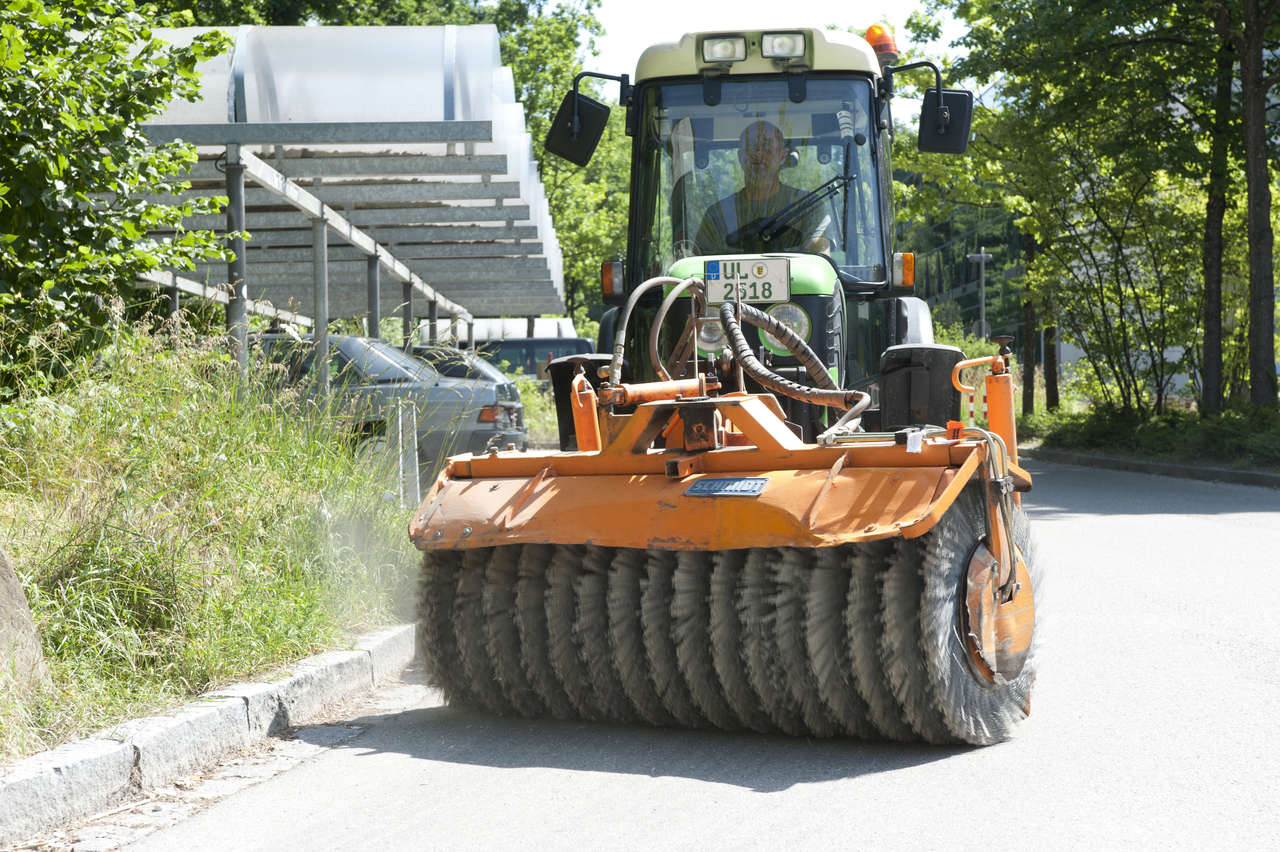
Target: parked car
[530,355]
[471,413]
[461,364]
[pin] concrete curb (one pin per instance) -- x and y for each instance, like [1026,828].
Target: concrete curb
[1183,471]
[89,776]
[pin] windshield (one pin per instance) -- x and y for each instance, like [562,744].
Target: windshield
[459,365]
[758,173]
[380,362]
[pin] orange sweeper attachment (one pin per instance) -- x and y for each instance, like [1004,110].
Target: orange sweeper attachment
[694,562]
[765,514]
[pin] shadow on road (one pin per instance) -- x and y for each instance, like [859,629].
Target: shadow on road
[1062,490]
[757,762]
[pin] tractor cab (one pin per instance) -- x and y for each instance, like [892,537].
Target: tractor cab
[761,166]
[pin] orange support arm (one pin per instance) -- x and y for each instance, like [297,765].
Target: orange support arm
[586,422]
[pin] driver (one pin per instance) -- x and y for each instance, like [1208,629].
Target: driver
[727,224]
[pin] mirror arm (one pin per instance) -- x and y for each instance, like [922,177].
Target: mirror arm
[944,114]
[624,95]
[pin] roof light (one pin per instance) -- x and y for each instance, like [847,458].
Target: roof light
[724,49]
[782,45]
[880,37]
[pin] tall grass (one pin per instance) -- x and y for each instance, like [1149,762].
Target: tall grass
[177,527]
[539,412]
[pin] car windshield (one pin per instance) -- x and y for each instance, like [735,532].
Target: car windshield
[352,360]
[460,365]
[758,173]
[380,362]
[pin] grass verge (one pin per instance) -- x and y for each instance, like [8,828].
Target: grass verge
[177,528]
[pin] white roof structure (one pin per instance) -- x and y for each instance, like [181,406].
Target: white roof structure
[407,143]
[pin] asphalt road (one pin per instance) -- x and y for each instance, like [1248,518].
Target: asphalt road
[1155,725]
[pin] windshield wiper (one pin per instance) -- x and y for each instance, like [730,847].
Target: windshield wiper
[769,228]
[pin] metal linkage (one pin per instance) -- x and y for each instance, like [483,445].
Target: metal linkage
[313,207]
[169,281]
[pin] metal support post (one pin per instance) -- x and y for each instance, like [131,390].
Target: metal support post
[432,317]
[320,313]
[175,309]
[981,258]
[175,302]
[373,271]
[407,315]
[529,327]
[237,313]
[407,454]
[471,335]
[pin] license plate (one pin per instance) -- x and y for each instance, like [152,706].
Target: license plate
[738,486]
[762,280]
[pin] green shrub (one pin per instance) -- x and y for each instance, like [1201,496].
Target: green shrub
[539,411]
[77,79]
[1242,436]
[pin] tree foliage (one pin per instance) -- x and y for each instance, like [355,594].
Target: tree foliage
[77,77]
[588,205]
[1118,145]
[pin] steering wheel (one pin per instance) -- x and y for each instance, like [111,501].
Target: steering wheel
[685,248]
[786,238]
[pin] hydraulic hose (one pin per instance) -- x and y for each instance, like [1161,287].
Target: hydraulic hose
[793,343]
[682,350]
[620,338]
[828,395]
[849,422]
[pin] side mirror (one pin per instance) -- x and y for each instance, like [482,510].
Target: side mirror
[946,131]
[577,144]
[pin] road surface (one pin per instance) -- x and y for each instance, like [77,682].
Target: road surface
[1155,724]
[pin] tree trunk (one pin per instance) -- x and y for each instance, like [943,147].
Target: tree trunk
[1028,357]
[1029,340]
[1262,300]
[1215,209]
[1051,368]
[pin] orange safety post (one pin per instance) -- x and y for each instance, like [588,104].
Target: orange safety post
[1000,417]
[999,391]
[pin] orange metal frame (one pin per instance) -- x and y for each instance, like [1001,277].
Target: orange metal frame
[619,491]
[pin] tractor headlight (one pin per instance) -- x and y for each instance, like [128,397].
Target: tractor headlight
[711,336]
[782,45]
[724,49]
[794,318]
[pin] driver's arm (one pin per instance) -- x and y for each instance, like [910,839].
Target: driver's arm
[713,230]
[818,242]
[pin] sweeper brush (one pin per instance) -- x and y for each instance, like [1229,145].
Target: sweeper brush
[765,514]
[696,563]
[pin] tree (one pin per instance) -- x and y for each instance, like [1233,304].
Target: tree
[589,205]
[1246,25]
[1091,62]
[77,77]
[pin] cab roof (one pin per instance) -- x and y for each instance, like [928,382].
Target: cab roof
[825,50]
